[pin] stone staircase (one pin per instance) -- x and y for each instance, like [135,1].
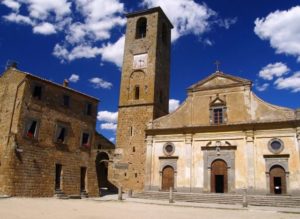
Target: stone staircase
[233,199]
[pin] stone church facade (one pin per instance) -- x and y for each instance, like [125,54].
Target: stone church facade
[223,138]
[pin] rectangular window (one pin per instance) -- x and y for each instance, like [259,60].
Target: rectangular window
[88,109]
[137,92]
[61,134]
[37,92]
[66,100]
[218,115]
[85,140]
[31,129]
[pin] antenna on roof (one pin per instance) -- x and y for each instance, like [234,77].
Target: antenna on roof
[11,64]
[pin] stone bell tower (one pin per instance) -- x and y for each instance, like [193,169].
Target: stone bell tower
[144,93]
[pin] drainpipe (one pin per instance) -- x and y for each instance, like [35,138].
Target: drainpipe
[13,110]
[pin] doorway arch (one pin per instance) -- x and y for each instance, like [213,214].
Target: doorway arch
[102,170]
[219,177]
[167,178]
[277,180]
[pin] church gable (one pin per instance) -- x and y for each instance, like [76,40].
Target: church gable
[219,80]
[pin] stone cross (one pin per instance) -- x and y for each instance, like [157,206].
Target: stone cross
[217,63]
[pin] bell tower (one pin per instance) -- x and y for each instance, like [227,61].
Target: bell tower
[144,92]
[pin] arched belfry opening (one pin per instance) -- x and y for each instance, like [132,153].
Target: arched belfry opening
[141,28]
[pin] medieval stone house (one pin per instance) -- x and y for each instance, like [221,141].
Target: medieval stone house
[223,138]
[48,142]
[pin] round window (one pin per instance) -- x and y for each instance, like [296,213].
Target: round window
[276,146]
[169,149]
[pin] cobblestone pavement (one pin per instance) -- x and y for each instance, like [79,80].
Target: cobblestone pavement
[51,208]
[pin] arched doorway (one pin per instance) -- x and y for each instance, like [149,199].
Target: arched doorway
[167,178]
[219,177]
[277,180]
[102,171]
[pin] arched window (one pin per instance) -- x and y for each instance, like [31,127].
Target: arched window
[137,92]
[141,28]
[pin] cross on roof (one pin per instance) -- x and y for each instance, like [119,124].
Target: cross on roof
[217,63]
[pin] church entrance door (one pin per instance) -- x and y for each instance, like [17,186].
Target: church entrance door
[277,180]
[219,177]
[167,178]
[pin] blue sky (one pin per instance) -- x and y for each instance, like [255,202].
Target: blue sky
[257,40]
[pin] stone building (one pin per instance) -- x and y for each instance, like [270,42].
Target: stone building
[223,138]
[48,142]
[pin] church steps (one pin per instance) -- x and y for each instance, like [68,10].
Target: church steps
[255,200]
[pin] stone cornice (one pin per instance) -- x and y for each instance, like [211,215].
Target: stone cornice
[225,127]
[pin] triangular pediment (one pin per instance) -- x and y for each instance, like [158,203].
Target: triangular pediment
[219,80]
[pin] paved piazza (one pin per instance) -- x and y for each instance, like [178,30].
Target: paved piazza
[44,208]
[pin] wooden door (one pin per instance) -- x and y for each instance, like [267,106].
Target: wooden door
[277,180]
[167,178]
[219,177]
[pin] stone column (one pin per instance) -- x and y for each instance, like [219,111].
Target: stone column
[148,164]
[188,160]
[250,160]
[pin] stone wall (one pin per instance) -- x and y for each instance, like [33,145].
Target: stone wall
[31,172]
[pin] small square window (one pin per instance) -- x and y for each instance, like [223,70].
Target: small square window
[66,100]
[37,92]
[88,109]
[31,129]
[85,140]
[61,134]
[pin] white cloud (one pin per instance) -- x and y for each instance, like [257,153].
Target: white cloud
[262,87]
[19,19]
[109,126]
[173,105]
[42,9]
[289,83]
[282,29]
[80,51]
[12,4]
[112,139]
[106,116]
[74,78]
[100,83]
[270,71]
[189,17]
[44,28]
[114,52]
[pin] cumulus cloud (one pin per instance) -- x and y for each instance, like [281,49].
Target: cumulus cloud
[106,116]
[262,87]
[189,17]
[100,83]
[282,30]
[289,83]
[114,52]
[44,28]
[108,126]
[270,71]
[173,105]
[74,78]
[17,18]
[14,5]
[80,51]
